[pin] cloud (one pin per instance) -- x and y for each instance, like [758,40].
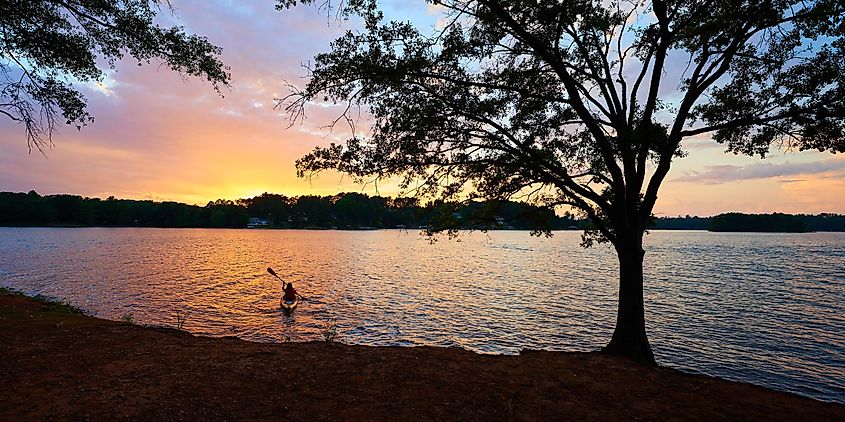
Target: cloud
[157,135]
[701,142]
[730,173]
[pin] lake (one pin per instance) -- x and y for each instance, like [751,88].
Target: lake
[768,309]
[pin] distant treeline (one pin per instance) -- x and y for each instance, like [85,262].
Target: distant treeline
[342,211]
[738,222]
[353,211]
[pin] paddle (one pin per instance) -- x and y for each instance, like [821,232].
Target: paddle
[270,270]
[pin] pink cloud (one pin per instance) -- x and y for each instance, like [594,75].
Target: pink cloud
[730,173]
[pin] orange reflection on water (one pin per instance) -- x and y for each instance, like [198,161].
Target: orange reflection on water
[724,304]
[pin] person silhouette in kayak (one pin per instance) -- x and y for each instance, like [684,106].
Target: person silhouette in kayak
[290,293]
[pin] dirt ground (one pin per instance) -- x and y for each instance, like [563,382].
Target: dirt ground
[57,365]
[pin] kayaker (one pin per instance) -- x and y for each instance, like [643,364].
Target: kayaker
[290,293]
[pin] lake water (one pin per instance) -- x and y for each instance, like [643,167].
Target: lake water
[762,308]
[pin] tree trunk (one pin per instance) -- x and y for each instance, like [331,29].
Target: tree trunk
[629,338]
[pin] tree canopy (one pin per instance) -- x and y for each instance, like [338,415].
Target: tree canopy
[49,47]
[509,95]
[579,103]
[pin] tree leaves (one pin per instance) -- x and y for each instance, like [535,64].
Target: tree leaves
[47,46]
[564,102]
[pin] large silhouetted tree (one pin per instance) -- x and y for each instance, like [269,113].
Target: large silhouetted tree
[48,47]
[584,103]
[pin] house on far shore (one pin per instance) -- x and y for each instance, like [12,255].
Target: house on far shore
[257,223]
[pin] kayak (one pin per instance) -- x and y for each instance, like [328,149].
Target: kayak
[288,307]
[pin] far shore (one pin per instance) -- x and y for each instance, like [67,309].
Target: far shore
[366,229]
[60,364]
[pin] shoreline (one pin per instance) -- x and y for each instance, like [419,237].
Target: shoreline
[62,364]
[408,229]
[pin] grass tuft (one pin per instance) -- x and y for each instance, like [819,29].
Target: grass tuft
[330,332]
[127,319]
[181,317]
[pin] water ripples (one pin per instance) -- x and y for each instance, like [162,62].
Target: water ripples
[762,308]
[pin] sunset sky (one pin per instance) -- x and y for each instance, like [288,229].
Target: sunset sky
[157,136]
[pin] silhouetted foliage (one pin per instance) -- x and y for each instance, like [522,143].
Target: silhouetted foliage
[739,222]
[681,223]
[272,207]
[344,211]
[824,222]
[573,103]
[312,210]
[48,46]
[736,222]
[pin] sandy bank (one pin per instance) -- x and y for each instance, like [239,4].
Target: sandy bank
[67,366]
